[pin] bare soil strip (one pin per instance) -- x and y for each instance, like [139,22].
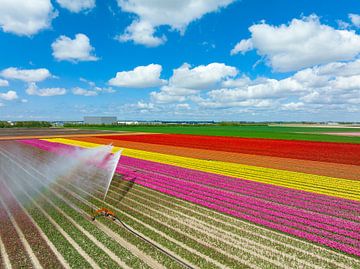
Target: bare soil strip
[4,258]
[304,166]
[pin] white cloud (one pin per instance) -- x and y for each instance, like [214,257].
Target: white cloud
[187,81]
[183,106]
[77,6]
[9,96]
[302,43]
[141,32]
[73,50]
[330,87]
[355,19]
[33,89]
[143,105]
[4,83]
[293,106]
[243,46]
[81,91]
[202,76]
[163,97]
[27,75]
[24,17]
[140,77]
[177,14]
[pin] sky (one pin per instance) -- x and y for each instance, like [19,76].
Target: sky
[222,60]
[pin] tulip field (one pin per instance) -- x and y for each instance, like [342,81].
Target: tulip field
[196,201]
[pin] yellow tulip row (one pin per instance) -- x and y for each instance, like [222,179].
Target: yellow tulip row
[344,188]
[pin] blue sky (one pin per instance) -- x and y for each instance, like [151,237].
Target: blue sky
[180,60]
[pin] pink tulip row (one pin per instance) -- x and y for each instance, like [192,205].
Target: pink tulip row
[332,224]
[273,191]
[256,190]
[188,196]
[249,208]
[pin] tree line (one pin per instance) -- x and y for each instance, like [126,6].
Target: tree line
[24,124]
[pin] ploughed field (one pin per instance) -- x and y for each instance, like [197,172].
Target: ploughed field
[185,201]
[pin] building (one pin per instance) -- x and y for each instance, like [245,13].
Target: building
[100,120]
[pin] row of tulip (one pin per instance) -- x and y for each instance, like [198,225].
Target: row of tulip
[309,150]
[276,256]
[307,201]
[323,222]
[61,211]
[322,204]
[280,243]
[286,219]
[349,189]
[188,195]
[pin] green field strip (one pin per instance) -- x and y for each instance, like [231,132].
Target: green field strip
[245,253]
[79,219]
[242,227]
[65,248]
[24,240]
[104,239]
[267,132]
[121,252]
[172,210]
[152,232]
[16,251]
[102,259]
[140,242]
[185,238]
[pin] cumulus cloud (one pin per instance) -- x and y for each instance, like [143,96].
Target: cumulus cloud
[301,43]
[83,92]
[187,81]
[27,75]
[202,76]
[4,83]
[93,91]
[177,14]
[330,87]
[355,19]
[77,5]
[140,77]
[73,50]
[243,46]
[33,89]
[141,32]
[9,96]
[24,17]
[333,84]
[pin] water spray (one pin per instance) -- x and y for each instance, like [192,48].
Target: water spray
[104,211]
